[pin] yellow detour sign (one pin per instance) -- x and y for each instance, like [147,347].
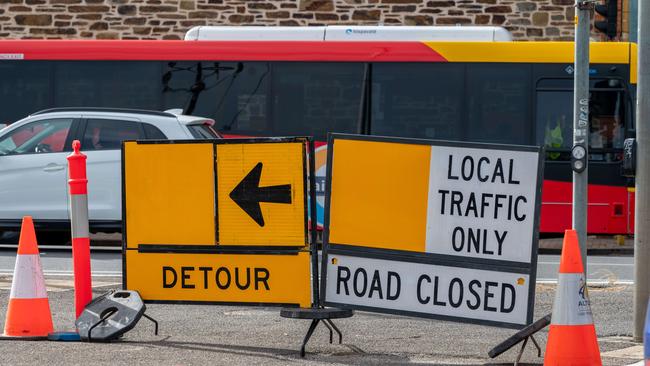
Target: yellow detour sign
[261,194]
[220,278]
[260,197]
[217,221]
[169,194]
[435,229]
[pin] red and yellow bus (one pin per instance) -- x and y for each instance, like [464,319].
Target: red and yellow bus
[497,92]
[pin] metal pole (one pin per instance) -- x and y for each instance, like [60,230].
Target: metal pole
[311,148]
[581,121]
[642,214]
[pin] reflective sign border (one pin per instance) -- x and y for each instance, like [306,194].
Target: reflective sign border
[430,258]
[252,249]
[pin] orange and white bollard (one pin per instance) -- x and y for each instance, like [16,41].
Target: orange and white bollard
[80,228]
[28,312]
[572,336]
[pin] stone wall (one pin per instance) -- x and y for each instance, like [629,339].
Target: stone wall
[170,19]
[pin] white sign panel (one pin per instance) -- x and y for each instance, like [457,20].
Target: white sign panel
[482,203]
[427,289]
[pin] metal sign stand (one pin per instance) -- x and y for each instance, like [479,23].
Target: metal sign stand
[523,334]
[316,312]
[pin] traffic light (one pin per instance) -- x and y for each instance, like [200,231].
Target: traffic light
[609,11]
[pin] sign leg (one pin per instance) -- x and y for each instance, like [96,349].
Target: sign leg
[539,350]
[336,329]
[521,351]
[331,331]
[312,327]
[155,322]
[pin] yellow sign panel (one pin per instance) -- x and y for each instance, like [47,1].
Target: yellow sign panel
[368,214]
[216,193]
[228,278]
[169,193]
[261,196]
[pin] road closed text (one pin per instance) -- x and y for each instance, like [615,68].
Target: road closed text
[428,289]
[201,277]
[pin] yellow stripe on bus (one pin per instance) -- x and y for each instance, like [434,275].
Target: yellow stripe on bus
[634,54]
[533,52]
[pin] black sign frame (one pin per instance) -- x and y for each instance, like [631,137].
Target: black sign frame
[350,249]
[308,174]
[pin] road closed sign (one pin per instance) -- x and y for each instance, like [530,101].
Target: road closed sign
[217,221]
[434,229]
[427,289]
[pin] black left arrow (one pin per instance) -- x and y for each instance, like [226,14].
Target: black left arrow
[248,194]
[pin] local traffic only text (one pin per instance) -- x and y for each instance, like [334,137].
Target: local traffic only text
[484,200]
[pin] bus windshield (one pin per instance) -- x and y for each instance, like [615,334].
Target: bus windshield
[606,121]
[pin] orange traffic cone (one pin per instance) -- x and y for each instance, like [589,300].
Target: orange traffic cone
[28,314]
[572,336]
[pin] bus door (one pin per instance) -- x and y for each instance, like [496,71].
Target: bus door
[609,109]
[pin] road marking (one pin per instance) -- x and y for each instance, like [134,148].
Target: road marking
[634,352]
[553,281]
[56,284]
[593,264]
[46,248]
[5,271]
[640,363]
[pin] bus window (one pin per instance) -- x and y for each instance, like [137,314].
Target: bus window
[498,102]
[125,84]
[235,94]
[25,87]
[606,121]
[417,100]
[554,127]
[313,99]
[607,132]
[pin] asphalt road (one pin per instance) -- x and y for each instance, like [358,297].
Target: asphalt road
[244,335]
[601,269]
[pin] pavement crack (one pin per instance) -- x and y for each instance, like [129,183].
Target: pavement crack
[355,349]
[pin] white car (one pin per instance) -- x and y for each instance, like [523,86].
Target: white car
[34,171]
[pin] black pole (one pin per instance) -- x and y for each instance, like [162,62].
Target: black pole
[314,225]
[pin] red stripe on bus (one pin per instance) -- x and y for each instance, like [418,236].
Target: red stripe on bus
[610,209]
[218,50]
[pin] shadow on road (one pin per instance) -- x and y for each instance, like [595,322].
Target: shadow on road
[346,354]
